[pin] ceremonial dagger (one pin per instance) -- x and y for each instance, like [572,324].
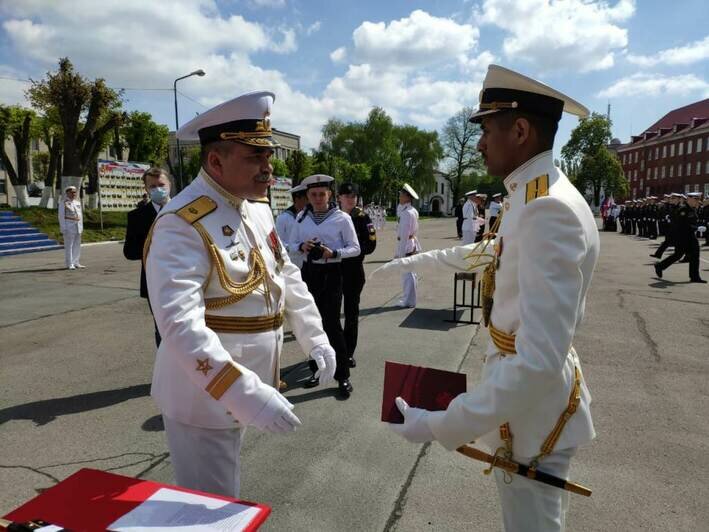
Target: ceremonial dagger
[523,470]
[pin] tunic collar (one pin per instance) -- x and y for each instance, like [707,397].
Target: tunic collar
[528,170]
[231,199]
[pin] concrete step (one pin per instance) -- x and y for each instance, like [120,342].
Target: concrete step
[24,237]
[49,247]
[13,223]
[17,230]
[5,246]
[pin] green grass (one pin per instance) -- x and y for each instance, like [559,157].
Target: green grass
[46,220]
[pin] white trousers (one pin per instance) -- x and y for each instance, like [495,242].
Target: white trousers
[468,237]
[530,506]
[72,248]
[408,285]
[205,459]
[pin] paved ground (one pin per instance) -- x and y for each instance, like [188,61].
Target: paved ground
[77,352]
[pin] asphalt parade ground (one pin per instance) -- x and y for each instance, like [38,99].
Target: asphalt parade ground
[77,353]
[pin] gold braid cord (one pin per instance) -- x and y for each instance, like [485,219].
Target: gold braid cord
[237,291]
[481,257]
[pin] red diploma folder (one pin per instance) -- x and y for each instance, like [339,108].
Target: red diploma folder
[428,388]
[90,500]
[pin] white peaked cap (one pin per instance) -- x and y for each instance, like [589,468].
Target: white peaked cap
[245,119]
[317,180]
[297,188]
[504,89]
[410,191]
[471,193]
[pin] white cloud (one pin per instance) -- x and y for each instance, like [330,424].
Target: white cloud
[414,41]
[313,28]
[269,3]
[288,44]
[650,85]
[337,56]
[575,35]
[681,55]
[12,86]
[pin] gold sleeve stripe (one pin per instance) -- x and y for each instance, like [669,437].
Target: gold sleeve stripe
[537,188]
[503,341]
[223,380]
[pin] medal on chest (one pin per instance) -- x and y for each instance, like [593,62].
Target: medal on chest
[275,244]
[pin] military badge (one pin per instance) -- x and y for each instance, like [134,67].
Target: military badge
[227,231]
[203,366]
[275,244]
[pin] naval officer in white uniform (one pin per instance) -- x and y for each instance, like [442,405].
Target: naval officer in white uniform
[221,284]
[71,225]
[407,242]
[470,218]
[532,404]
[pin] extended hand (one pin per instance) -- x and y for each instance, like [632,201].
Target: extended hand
[415,428]
[276,415]
[324,357]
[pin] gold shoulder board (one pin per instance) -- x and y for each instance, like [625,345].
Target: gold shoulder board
[537,188]
[197,209]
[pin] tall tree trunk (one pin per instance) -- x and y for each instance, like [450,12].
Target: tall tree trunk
[52,168]
[117,144]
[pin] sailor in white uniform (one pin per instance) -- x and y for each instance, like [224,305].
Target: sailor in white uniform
[470,217]
[407,242]
[532,404]
[221,283]
[71,225]
[286,221]
[324,235]
[494,210]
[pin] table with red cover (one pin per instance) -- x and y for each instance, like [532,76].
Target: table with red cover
[90,500]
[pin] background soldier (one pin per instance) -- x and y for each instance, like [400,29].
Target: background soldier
[353,278]
[685,239]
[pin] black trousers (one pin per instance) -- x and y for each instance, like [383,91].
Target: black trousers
[158,338]
[459,227]
[652,229]
[634,226]
[352,284]
[493,221]
[690,247]
[325,284]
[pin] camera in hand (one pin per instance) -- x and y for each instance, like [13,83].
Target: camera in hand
[316,252]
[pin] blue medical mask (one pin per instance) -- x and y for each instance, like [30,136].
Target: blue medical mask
[159,194]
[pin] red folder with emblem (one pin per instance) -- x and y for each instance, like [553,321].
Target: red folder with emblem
[428,388]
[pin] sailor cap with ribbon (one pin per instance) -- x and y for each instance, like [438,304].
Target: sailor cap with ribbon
[695,195]
[507,90]
[297,188]
[317,180]
[245,119]
[410,191]
[471,193]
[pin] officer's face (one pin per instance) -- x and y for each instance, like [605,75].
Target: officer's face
[243,170]
[404,198]
[347,201]
[496,144]
[319,198]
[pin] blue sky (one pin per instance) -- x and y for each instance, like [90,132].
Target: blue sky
[420,61]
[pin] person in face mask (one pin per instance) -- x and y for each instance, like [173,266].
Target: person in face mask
[157,186]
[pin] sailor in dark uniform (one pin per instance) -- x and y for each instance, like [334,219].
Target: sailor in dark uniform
[352,269]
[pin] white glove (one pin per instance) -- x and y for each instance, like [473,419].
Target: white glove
[276,415]
[324,357]
[415,428]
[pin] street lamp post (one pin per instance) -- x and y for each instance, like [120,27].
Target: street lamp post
[200,73]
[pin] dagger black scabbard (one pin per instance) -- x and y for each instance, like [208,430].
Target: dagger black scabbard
[523,470]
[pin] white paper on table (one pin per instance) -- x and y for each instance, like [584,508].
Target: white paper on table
[169,509]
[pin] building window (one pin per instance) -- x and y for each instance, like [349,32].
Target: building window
[687,188]
[679,169]
[689,169]
[689,147]
[636,157]
[672,150]
[672,171]
[699,144]
[696,187]
[706,190]
[641,184]
[662,172]
[443,188]
[699,168]
[657,152]
[642,165]
[706,168]
[680,148]
[664,151]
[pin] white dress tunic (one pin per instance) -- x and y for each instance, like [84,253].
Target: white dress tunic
[71,225]
[407,244]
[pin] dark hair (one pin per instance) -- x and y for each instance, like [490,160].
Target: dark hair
[220,146]
[155,171]
[545,127]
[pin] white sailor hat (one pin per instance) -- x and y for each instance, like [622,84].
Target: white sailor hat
[471,193]
[410,191]
[70,187]
[297,188]
[317,180]
[505,90]
[498,195]
[245,119]
[695,195]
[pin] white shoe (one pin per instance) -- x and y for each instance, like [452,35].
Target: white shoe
[72,267]
[80,266]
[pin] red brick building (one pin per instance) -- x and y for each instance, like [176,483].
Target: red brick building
[672,155]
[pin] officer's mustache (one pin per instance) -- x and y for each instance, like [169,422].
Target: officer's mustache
[264,177]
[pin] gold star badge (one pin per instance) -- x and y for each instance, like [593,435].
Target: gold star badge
[513,186]
[203,366]
[227,231]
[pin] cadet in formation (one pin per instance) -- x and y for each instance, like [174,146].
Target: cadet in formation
[532,405]
[407,242]
[221,283]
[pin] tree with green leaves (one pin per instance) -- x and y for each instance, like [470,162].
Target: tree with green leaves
[463,161]
[17,124]
[588,162]
[299,166]
[146,140]
[87,110]
[279,168]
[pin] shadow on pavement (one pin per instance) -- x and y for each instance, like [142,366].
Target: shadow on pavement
[317,394]
[38,270]
[431,320]
[153,424]
[46,411]
[377,310]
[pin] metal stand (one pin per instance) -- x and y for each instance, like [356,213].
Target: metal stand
[464,278]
